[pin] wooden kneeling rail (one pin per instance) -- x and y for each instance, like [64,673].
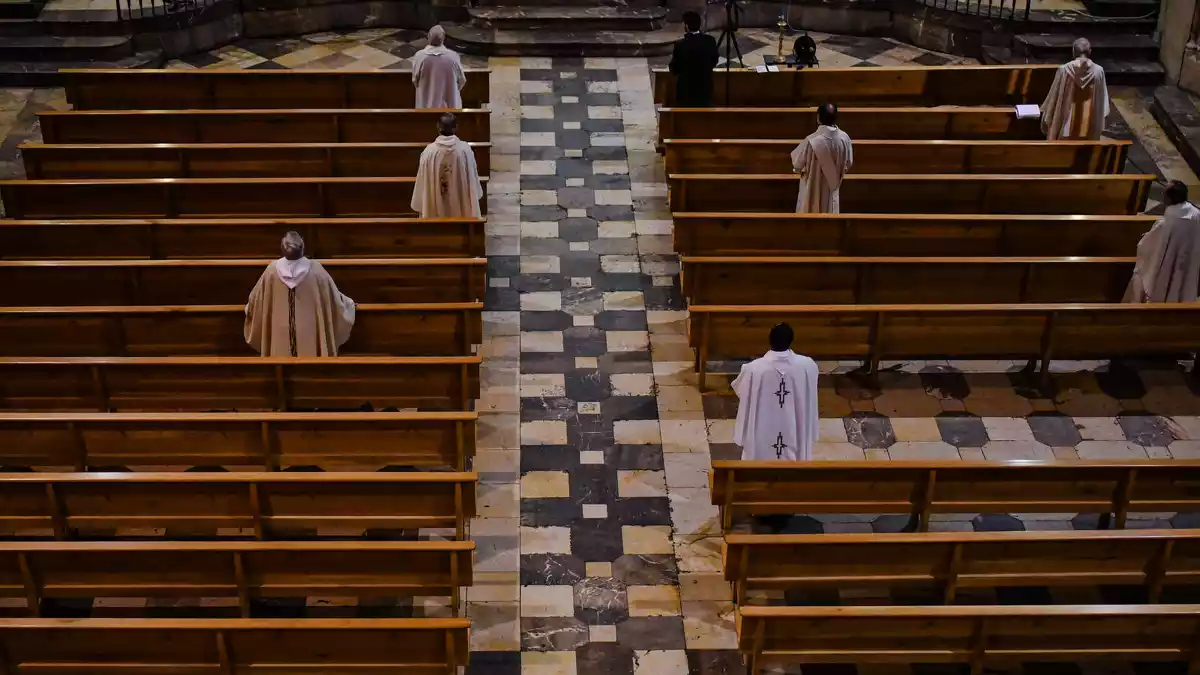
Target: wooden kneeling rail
[882,281]
[919,489]
[166,89]
[211,197]
[240,238]
[269,441]
[245,570]
[199,160]
[950,122]
[874,332]
[76,646]
[226,282]
[973,635]
[850,234]
[258,126]
[133,384]
[725,155]
[272,505]
[933,193]
[950,561]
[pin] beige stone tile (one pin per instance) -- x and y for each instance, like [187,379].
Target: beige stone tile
[641,484]
[667,373]
[591,457]
[539,264]
[627,340]
[542,601]
[1009,450]
[637,432]
[1099,429]
[539,230]
[536,385]
[971,455]
[704,586]
[303,56]
[541,301]
[719,431]
[632,384]
[545,540]
[498,431]
[699,553]
[497,466]
[1185,427]
[679,399]
[1110,450]
[653,601]
[686,469]
[544,432]
[666,347]
[932,451]
[915,429]
[832,430]
[499,500]
[693,513]
[496,626]
[646,539]
[837,451]
[586,363]
[545,485]
[602,633]
[542,342]
[709,624]
[598,569]
[623,300]
[548,663]
[599,511]
[620,264]
[684,435]
[667,321]
[615,229]
[537,112]
[660,662]
[494,587]
[1008,429]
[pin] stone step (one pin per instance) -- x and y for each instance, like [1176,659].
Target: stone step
[567,18]
[45,73]
[1122,8]
[1090,27]
[1133,73]
[20,9]
[1176,112]
[54,48]
[19,28]
[1057,46]
[475,40]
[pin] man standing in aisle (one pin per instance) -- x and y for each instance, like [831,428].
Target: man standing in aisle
[692,64]
[447,184]
[822,160]
[1168,256]
[437,73]
[1077,104]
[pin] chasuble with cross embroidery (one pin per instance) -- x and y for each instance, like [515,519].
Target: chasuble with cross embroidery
[777,407]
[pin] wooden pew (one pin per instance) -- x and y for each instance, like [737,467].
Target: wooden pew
[934,193]
[722,155]
[246,570]
[240,238]
[75,646]
[901,85]
[435,329]
[922,488]
[946,562]
[258,126]
[713,234]
[272,505]
[133,384]
[211,197]
[26,283]
[170,89]
[203,160]
[874,332]
[1005,635]
[750,280]
[268,441]
[945,123]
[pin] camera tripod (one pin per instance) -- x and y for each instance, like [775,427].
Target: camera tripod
[733,15]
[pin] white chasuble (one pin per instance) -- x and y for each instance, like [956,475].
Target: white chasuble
[295,309]
[822,160]
[447,184]
[438,76]
[1077,104]
[1168,258]
[777,407]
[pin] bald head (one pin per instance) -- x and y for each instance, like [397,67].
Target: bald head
[827,114]
[437,35]
[448,124]
[1082,47]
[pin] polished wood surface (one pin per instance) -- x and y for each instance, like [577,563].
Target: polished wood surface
[268,441]
[29,283]
[722,155]
[257,126]
[132,384]
[816,280]
[177,646]
[922,488]
[211,197]
[183,238]
[205,88]
[269,505]
[897,85]
[205,160]
[741,234]
[934,193]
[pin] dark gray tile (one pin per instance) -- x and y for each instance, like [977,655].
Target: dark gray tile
[944,382]
[551,569]
[643,511]
[1146,430]
[1054,429]
[596,540]
[714,662]
[621,319]
[548,408]
[646,570]
[651,633]
[962,430]
[541,321]
[601,600]
[549,512]
[552,634]
[996,522]
[629,408]
[635,457]
[869,430]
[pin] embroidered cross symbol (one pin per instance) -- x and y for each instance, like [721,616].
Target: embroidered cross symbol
[782,392]
[779,446]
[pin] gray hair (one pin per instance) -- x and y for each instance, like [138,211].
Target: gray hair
[292,246]
[437,35]
[1082,47]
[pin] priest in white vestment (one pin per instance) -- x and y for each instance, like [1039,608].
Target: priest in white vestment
[295,308]
[777,402]
[1168,256]
[1077,105]
[822,160]
[447,184]
[437,73]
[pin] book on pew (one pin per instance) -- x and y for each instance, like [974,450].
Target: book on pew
[1026,110]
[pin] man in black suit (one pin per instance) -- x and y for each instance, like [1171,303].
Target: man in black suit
[692,65]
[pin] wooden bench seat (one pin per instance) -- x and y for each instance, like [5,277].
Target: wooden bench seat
[246,570]
[265,440]
[206,88]
[723,155]
[946,123]
[240,238]
[211,197]
[204,160]
[875,332]
[1005,636]
[258,126]
[27,283]
[901,85]
[946,562]
[934,193]
[434,329]
[272,505]
[750,280]
[919,489]
[714,234]
[132,384]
